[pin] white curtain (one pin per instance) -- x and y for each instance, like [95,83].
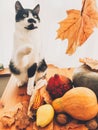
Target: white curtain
[52,11]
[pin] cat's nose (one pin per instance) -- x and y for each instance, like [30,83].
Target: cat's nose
[31,20]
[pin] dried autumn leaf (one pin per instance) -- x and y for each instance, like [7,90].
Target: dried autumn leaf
[79,25]
[7,117]
[75,126]
[93,64]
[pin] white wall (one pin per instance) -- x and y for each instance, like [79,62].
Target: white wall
[52,11]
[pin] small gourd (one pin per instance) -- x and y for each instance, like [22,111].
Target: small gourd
[44,115]
[80,103]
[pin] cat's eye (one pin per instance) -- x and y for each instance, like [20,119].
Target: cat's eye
[35,16]
[24,15]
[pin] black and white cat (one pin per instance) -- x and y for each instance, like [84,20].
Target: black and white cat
[26,63]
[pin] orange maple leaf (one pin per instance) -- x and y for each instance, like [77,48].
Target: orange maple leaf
[79,25]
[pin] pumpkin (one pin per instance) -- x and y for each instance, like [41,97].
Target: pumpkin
[80,103]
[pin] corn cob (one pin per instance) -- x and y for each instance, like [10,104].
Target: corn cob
[38,100]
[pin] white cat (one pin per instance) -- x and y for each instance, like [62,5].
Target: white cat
[26,63]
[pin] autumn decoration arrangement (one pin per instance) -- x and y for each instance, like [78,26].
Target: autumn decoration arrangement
[64,103]
[79,25]
[57,105]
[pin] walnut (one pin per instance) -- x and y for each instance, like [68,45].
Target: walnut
[92,124]
[61,119]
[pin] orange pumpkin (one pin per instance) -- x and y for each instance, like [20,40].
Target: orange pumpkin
[80,103]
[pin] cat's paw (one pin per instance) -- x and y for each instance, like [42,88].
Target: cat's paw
[20,83]
[27,49]
[30,90]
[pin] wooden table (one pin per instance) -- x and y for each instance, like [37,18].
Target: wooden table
[5,72]
[13,95]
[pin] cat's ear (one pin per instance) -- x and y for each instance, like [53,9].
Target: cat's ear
[36,9]
[18,6]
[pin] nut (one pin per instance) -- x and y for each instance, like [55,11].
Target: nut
[92,124]
[61,119]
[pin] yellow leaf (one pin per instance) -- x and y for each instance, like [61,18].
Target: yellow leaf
[78,25]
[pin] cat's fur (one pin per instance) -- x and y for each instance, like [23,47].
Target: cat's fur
[26,63]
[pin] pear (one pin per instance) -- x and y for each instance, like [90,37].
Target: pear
[44,114]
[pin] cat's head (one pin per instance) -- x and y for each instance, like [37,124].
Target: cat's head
[27,18]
